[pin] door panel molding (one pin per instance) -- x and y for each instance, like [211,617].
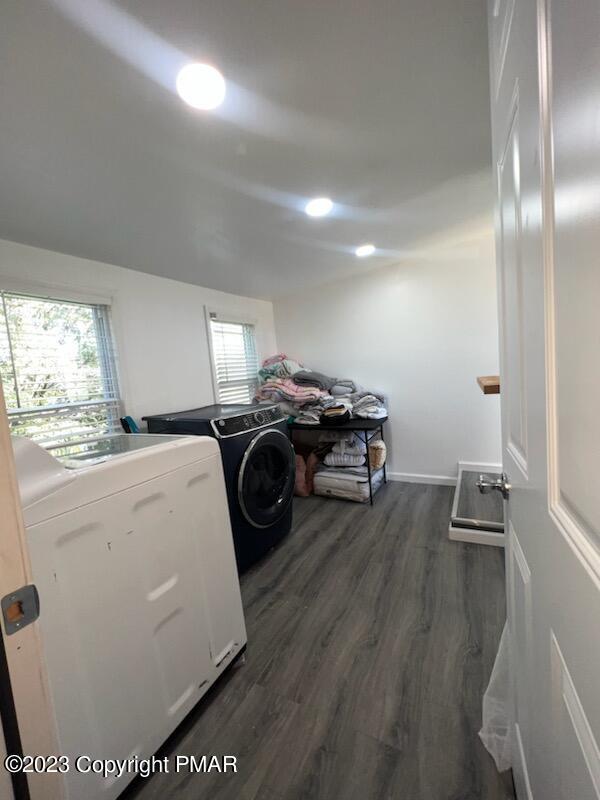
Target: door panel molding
[521,626]
[571,723]
[575,529]
[511,285]
[503,13]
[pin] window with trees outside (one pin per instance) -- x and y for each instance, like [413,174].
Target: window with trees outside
[58,369]
[235,360]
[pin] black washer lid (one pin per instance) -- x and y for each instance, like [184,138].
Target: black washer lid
[208,413]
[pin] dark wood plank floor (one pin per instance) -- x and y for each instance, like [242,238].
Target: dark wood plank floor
[371,638]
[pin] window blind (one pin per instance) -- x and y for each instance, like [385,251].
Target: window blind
[58,369]
[235,360]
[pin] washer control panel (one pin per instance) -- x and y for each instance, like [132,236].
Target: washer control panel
[231,426]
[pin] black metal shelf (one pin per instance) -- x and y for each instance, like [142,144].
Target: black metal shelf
[369,428]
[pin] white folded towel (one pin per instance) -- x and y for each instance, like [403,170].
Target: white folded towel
[334,459]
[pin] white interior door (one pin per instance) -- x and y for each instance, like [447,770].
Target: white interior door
[545,89]
[24,650]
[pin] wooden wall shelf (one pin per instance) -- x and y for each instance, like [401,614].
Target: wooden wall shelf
[490,384]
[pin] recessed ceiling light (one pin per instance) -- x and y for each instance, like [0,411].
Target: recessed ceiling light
[201,86]
[365,250]
[318,207]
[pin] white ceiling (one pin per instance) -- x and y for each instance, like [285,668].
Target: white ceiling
[381,104]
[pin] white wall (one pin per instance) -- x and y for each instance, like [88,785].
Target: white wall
[420,331]
[159,324]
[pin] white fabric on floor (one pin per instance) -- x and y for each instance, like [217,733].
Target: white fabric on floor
[496,731]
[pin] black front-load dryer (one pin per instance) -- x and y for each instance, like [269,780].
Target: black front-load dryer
[259,465]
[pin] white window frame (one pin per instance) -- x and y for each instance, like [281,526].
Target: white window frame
[62,294]
[55,291]
[222,315]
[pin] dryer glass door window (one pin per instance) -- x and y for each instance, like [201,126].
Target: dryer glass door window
[266,479]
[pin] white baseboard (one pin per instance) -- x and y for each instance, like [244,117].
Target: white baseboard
[443,480]
[474,536]
[415,477]
[476,466]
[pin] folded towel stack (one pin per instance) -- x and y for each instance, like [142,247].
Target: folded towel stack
[279,366]
[308,394]
[344,386]
[278,389]
[309,378]
[311,414]
[369,407]
[336,414]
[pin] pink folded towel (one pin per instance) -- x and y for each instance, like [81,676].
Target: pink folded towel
[277,389]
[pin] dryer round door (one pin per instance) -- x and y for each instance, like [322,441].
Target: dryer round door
[266,478]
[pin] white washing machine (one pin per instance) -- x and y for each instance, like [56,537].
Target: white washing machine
[140,606]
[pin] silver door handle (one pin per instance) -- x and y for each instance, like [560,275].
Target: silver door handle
[485,484]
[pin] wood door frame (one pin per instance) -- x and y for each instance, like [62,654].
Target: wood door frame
[24,650]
